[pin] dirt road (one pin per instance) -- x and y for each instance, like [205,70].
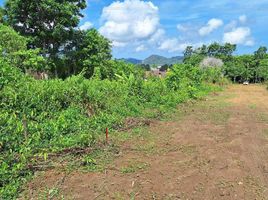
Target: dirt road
[214,149]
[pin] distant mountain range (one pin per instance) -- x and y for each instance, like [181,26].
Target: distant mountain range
[155,60]
[132,60]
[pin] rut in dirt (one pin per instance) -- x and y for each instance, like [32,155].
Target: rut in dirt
[214,149]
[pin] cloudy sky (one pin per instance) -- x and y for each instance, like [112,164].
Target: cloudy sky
[139,28]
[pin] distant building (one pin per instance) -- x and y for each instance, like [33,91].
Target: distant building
[157,72]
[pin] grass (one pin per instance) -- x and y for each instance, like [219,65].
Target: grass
[262,117]
[98,160]
[216,108]
[265,133]
[50,193]
[134,167]
[252,106]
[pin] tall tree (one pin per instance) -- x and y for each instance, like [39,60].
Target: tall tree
[49,23]
[228,49]
[261,53]
[1,15]
[188,52]
[89,50]
[213,49]
[203,50]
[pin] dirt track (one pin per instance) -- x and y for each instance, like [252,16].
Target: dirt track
[214,149]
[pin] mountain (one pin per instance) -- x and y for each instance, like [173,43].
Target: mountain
[132,60]
[161,60]
[155,60]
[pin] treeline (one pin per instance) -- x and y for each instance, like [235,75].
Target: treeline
[252,68]
[49,39]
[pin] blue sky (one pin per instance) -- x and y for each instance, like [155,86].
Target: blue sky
[140,28]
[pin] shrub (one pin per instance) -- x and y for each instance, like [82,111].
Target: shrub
[42,116]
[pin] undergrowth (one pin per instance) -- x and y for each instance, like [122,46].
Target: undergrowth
[39,118]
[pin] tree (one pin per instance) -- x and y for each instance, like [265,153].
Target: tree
[13,49]
[228,49]
[213,49]
[11,41]
[235,70]
[2,15]
[164,68]
[188,52]
[194,60]
[202,50]
[50,24]
[262,71]
[260,53]
[89,50]
[183,76]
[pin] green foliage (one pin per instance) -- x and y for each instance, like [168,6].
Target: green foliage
[238,69]
[195,56]
[194,59]
[49,24]
[2,15]
[88,51]
[40,117]
[262,71]
[116,69]
[184,76]
[260,53]
[13,49]
[11,41]
[212,75]
[246,68]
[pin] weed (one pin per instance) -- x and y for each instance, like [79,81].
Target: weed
[134,167]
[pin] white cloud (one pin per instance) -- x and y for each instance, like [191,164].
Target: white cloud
[239,35]
[129,21]
[231,25]
[141,48]
[158,36]
[86,26]
[182,28]
[211,26]
[243,19]
[119,44]
[173,45]
[250,42]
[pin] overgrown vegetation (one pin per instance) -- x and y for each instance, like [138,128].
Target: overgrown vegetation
[87,91]
[39,117]
[251,68]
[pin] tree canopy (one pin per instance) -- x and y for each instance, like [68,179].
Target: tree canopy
[13,49]
[48,24]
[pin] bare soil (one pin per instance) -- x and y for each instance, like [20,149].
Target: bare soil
[216,148]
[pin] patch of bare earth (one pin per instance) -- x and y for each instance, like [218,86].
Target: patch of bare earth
[214,149]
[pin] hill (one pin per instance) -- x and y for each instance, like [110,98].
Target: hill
[155,60]
[132,60]
[161,60]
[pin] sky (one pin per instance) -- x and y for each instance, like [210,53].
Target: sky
[140,28]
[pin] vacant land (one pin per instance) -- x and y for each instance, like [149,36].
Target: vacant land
[216,148]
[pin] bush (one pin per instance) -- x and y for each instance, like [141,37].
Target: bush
[38,117]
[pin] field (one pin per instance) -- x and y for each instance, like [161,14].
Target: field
[84,116]
[209,149]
